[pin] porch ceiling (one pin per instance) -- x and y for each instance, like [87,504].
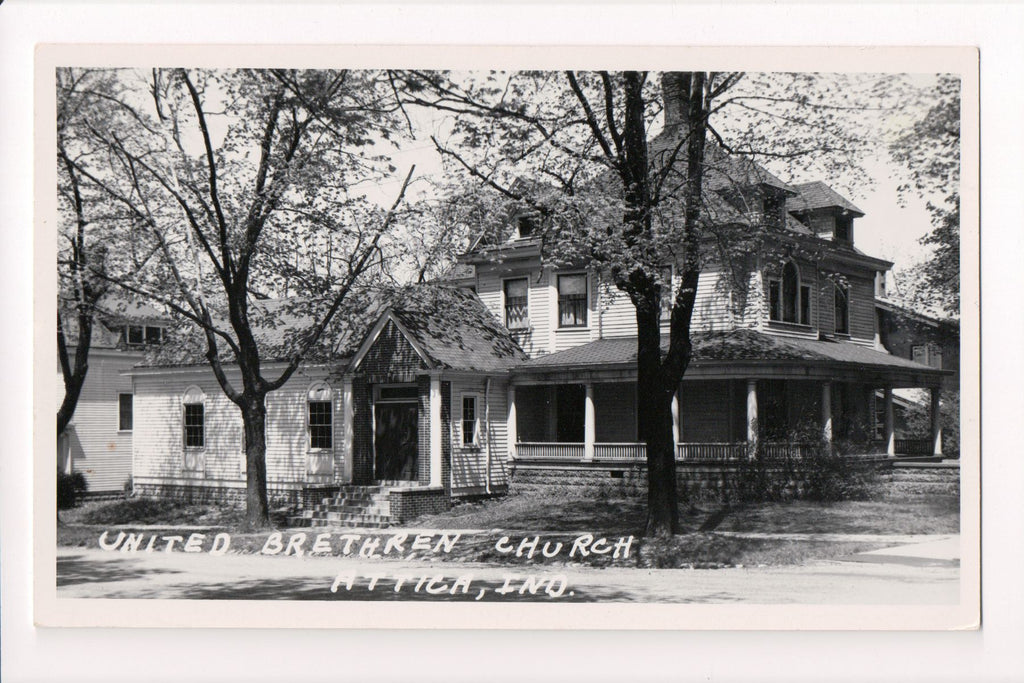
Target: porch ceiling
[736,354]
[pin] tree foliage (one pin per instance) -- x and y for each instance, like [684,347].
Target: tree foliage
[582,153]
[242,185]
[930,153]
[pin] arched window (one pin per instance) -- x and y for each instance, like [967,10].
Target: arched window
[193,418]
[842,306]
[789,301]
[320,416]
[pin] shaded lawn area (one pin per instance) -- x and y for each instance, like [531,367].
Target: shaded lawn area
[561,517]
[564,512]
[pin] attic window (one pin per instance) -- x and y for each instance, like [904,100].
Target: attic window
[524,226]
[844,228]
[137,335]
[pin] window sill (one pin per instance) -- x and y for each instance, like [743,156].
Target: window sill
[578,328]
[124,431]
[780,325]
[470,448]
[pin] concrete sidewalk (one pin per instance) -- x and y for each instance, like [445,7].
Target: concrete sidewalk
[942,552]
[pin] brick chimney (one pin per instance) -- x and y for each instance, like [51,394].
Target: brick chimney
[673,92]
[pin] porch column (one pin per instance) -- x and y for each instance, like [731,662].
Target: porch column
[675,419]
[751,416]
[826,412]
[589,423]
[936,415]
[890,424]
[435,431]
[348,429]
[511,425]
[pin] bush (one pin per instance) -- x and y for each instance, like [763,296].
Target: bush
[821,473]
[69,488]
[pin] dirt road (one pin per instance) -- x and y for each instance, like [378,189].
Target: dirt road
[896,576]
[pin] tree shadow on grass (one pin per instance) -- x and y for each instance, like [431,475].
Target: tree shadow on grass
[319,589]
[73,570]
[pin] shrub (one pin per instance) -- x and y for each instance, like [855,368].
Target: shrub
[69,488]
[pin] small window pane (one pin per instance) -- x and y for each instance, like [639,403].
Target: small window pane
[194,431]
[135,335]
[124,409]
[320,419]
[153,335]
[395,393]
[842,310]
[667,292]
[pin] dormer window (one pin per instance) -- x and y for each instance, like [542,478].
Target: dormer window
[524,226]
[137,335]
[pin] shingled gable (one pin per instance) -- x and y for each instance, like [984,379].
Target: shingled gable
[433,327]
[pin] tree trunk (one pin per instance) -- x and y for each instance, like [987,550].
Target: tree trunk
[654,421]
[73,373]
[254,419]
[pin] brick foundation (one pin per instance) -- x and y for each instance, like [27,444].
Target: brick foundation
[235,495]
[409,503]
[714,482]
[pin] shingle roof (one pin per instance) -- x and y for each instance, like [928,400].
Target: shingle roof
[731,346]
[818,195]
[454,328]
[277,325]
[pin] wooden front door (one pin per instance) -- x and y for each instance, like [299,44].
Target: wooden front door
[395,441]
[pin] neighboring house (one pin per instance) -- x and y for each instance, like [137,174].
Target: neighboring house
[449,391]
[98,440]
[924,339]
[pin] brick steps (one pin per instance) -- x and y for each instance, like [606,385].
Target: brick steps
[352,506]
[924,479]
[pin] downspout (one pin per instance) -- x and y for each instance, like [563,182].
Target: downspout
[487,439]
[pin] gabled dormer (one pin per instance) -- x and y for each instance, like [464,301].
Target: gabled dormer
[824,211]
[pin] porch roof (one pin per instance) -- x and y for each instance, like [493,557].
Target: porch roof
[742,348]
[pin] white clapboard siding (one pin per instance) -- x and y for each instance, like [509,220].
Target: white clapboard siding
[490,288]
[159,453]
[101,452]
[469,465]
[711,309]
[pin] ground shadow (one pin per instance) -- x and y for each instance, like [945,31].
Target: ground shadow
[73,570]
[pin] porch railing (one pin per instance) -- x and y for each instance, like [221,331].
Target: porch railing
[637,452]
[701,452]
[535,450]
[620,451]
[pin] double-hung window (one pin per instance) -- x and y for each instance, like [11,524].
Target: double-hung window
[572,300]
[195,425]
[517,306]
[320,417]
[470,421]
[124,412]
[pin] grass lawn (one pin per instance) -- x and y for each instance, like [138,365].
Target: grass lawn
[560,516]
